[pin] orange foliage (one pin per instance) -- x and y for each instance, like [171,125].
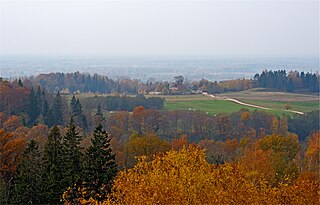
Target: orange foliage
[13,97]
[180,143]
[313,152]
[12,123]
[257,163]
[245,116]
[139,114]
[10,149]
[38,133]
[2,119]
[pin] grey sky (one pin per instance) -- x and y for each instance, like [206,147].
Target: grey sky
[167,28]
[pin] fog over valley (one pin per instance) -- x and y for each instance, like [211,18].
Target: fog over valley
[156,68]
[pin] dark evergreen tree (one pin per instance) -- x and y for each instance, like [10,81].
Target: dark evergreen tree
[32,110]
[76,112]
[52,168]
[50,118]
[57,110]
[100,166]
[72,155]
[44,105]
[73,103]
[28,179]
[20,83]
[291,86]
[99,118]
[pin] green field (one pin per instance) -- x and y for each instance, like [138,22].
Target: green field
[208,106]
[211,106]
[276,101]
[279,105]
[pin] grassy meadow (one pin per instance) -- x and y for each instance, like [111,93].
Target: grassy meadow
[276,101]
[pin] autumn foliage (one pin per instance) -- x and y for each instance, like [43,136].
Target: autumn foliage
[185,177]
[11,148]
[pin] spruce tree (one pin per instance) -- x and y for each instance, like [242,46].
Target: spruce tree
[45,105]
[99,118]
[58,110]
[72,155]
[52,168]
[20,83]
[28,179]
[32,110]
[76,112]
[73,105]
[100,166]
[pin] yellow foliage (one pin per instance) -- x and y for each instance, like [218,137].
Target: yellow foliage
[147,145]
[313,152]
[184,177]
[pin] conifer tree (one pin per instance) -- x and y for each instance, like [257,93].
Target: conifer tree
[44,105]
[20,83]
[72,155]
[52,168]
[28,178]
[100,166]
[32,110]
[73,105]
[57,110]
[99,118]
[76,111]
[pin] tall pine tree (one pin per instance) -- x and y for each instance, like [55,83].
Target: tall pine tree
[100,166]
[76,112]
[52,168]
[28,179]
[98,116]
[32,110]
[57,110]
[72,155]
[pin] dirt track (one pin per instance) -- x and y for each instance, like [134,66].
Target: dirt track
[249,105]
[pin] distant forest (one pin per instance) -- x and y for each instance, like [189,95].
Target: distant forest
[77,82]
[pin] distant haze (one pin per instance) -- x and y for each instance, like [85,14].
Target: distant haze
[160,28]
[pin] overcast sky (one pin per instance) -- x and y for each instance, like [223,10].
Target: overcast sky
[160,28]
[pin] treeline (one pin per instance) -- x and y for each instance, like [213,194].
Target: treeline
[222,86]
[290,82]
[78,82]
[39,107]
[35,106]
[122,103]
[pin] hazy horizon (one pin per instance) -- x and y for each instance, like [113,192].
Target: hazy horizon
[141,29]
[158,68]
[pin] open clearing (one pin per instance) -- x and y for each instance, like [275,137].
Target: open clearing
[275,101]
[263,94]
[207,106]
